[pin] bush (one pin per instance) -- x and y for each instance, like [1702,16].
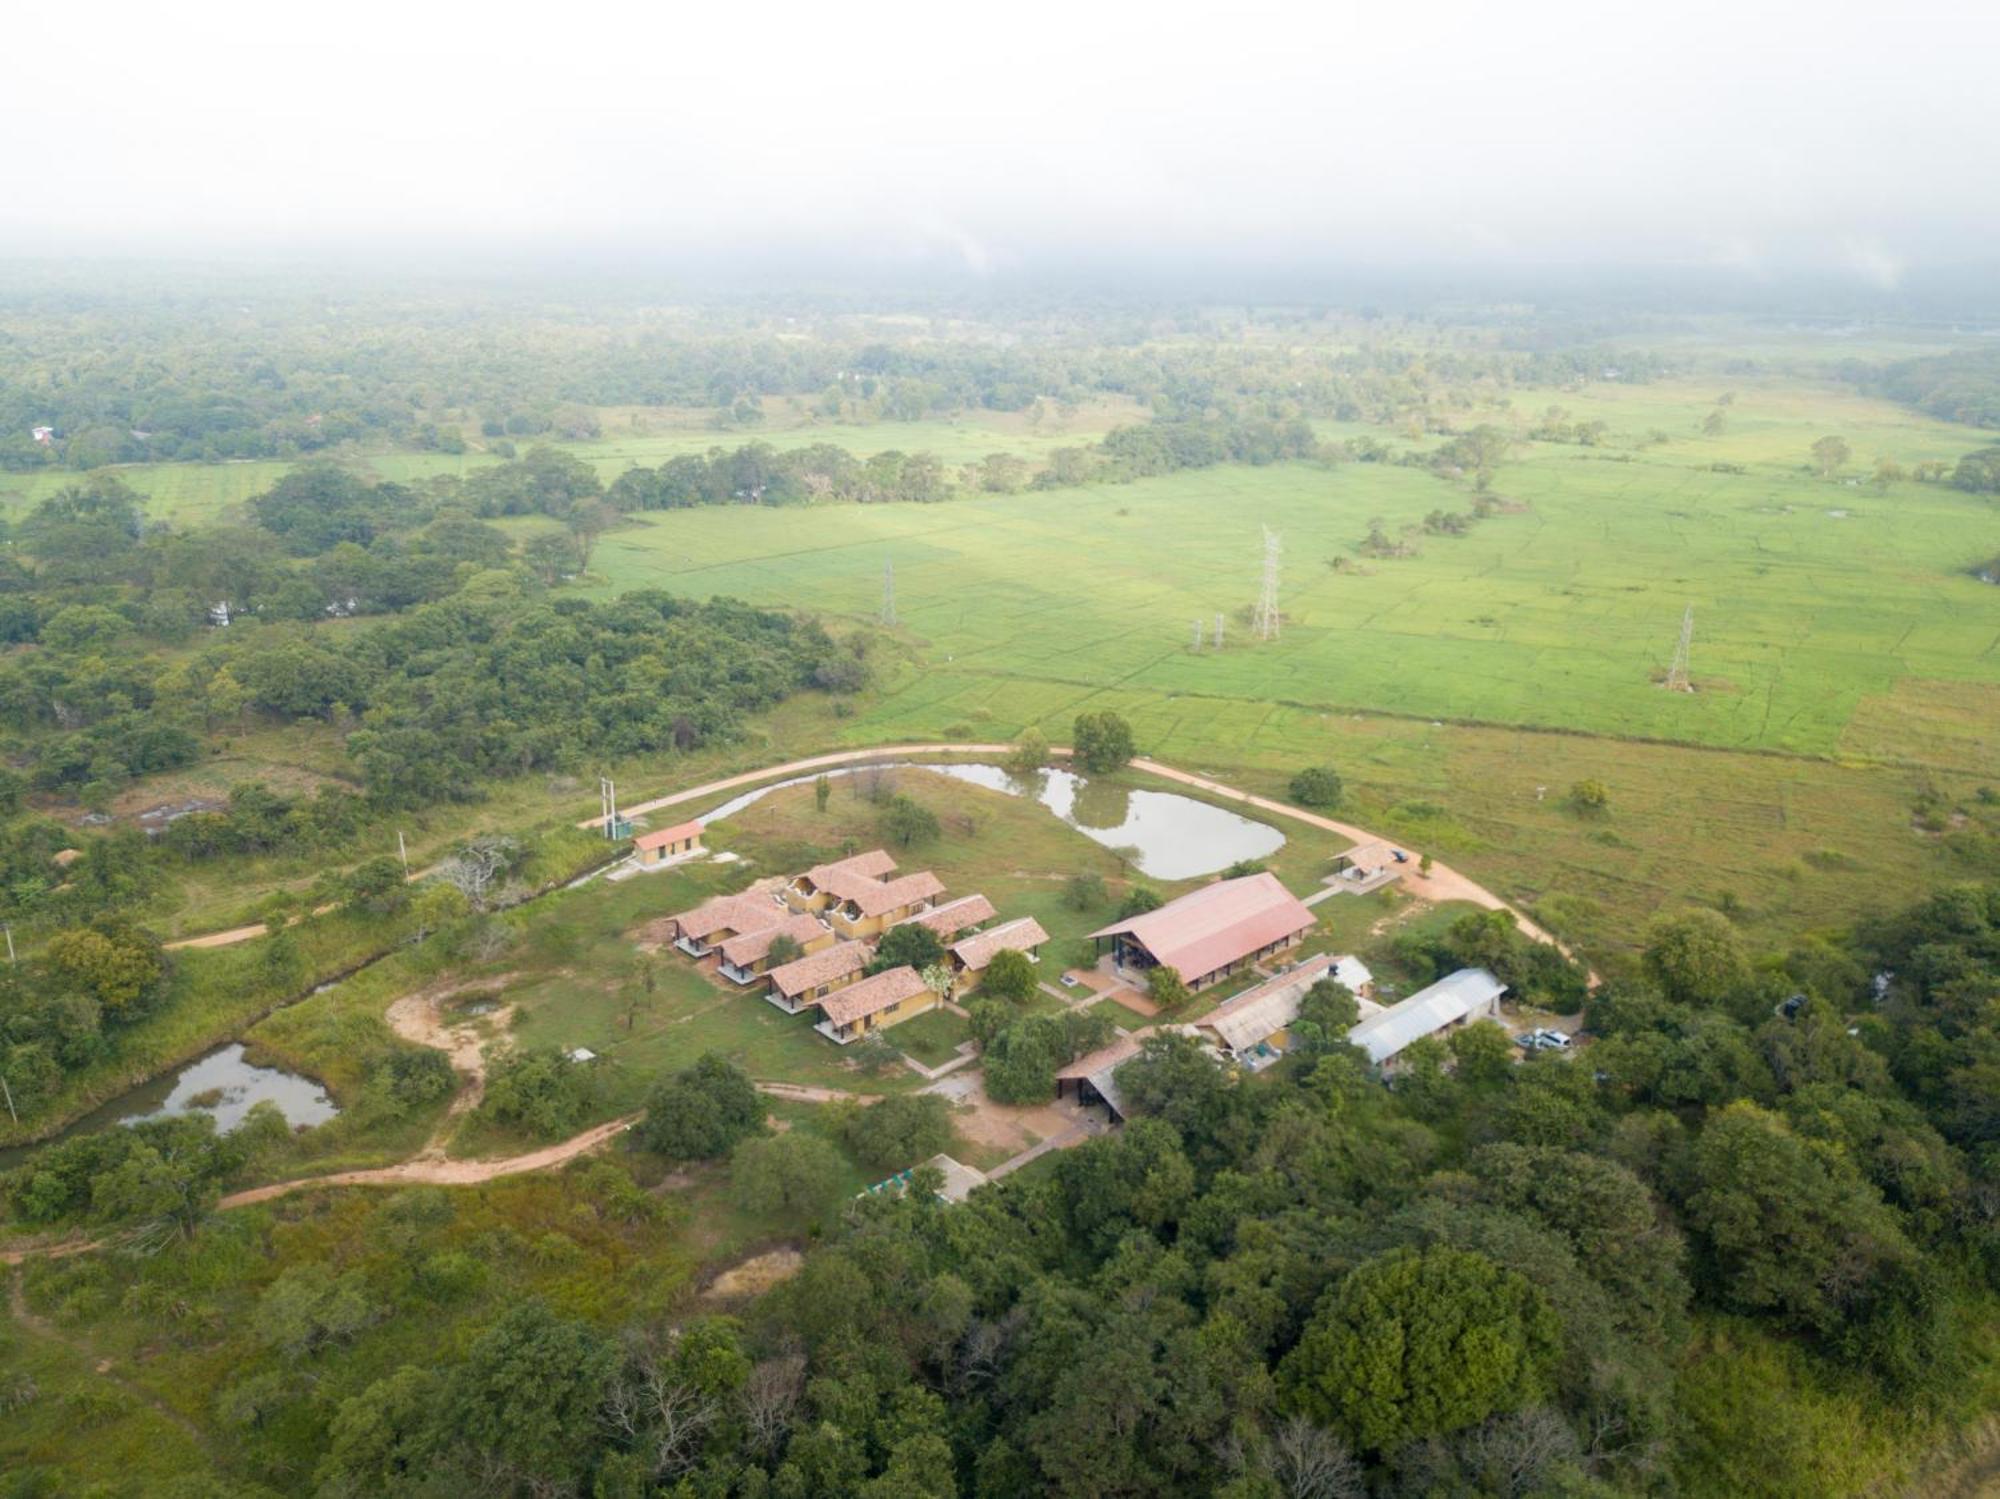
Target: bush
[794,1174]
[1317,787]
[1102,742]
[541,1091]
[701,1112]
[1010,976]
[1085,891]
[899,1131]
[912,944]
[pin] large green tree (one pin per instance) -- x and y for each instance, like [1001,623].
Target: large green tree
[1418,1343]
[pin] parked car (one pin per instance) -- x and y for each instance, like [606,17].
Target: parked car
[1543,1040]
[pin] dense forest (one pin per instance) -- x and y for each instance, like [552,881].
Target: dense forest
[273,371]
[1956,387]
[1489,1279]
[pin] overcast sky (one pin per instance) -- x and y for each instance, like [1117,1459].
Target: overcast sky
[1759,134]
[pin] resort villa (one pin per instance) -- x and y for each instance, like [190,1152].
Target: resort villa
[1211,933]
[969,957]
[803,983]
[667,845]
[747,957]
[954,917]
[871,910]
[859,1009]
[698,932]
[824,884]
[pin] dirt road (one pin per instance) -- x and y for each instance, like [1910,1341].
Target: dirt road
[436,1171]
[1443,883]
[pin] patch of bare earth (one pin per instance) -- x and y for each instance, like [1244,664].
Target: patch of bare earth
[752,1277]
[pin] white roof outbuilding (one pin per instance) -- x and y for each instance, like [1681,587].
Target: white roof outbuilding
[1468,993]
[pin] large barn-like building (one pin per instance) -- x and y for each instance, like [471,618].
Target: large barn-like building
[1211,933]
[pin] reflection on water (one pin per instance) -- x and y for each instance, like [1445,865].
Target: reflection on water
[1173,837]
[225,1085]
[1170,836]
[221,1084]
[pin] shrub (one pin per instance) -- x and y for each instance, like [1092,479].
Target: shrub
[1318,786]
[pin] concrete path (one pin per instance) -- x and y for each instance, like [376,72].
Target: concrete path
[1076,1134]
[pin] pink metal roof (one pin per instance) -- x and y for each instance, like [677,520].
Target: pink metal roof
[1212,927]
[890,987]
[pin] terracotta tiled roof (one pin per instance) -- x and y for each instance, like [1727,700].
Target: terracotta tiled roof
[752,911]
[844,877]
[665,836]
[803,974]
[953,917]
[751,947]
[1020,934]
[1212,927]
[878,897]
[890,987]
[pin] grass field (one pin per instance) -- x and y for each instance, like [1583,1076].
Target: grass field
[200,493]
[1813,600]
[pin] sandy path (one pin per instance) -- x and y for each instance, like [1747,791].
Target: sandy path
[802,1093]
[418,1018]
[433,1171]
[1444,883]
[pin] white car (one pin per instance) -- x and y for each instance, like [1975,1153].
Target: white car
[1544,1040]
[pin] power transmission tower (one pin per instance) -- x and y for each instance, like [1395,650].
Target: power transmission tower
[1218,632]
[607,801]
[1197,636]
[1266,620]
[1677,674]
[889,591]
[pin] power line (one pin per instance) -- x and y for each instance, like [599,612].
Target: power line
[1677,674]
[1265,622]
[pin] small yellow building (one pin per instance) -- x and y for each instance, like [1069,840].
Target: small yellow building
[668,844]
[747,956]
[804,982]
[824,884]
[872,911]
[873,1004]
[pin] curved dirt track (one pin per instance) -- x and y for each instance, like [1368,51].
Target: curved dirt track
[437,1171]
[1442,884]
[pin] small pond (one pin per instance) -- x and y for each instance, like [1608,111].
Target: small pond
[221,1083]
[1173,837]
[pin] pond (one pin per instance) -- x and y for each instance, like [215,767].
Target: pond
[221,1083]
[1170,836]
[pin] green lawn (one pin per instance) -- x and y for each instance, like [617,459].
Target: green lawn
[933,1038]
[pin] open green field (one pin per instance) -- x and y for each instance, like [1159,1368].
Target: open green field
[1816,603]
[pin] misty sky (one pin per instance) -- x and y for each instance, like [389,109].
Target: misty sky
[1762,135]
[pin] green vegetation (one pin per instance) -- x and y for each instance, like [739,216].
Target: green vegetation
[1739,1241]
